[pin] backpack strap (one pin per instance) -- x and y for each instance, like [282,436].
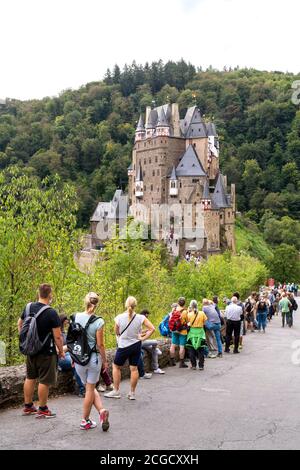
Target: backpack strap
[195,318]
[27,309]
[45,307]
[128,325]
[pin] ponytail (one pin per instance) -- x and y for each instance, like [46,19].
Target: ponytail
[130,305]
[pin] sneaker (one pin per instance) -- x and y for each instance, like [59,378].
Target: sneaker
[29,410]
[102,389]
[159,371]
[109,388]
[201,368]
[194,368]
[158,351]
[113,394]
[131,396]
[104,414]
[227,351]
[183,365]
[212,356]
[81,394]
[87,424]
[147,376]
[220,355]
[236,352]
[42,414]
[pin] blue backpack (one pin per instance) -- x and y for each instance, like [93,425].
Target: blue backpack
[164,327]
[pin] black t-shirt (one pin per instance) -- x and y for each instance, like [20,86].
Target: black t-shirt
[48,320]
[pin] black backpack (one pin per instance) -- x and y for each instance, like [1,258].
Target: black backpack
[29,341]
[77,341]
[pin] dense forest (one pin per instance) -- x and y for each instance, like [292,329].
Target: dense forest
[86,135]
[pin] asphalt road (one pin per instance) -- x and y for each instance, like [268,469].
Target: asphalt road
[246,401]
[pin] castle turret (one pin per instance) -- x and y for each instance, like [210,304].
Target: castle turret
[140,132]
[206,197]
[151,124]
[139,183]
[163,127]
[219,196]
[173,189]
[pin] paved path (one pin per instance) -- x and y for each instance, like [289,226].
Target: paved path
[248,401]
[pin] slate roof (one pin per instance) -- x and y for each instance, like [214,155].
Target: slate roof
[141,125]
[173,176]
[108,210]
[162,120]
[139,176]
[190,164]
[220,197]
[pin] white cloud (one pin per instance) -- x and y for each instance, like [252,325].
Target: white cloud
[50,45]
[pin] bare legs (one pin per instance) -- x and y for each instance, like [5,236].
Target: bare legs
[43,392]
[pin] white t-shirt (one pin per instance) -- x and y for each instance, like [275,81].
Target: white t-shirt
[131,335]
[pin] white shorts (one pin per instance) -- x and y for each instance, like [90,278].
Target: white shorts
[90,373]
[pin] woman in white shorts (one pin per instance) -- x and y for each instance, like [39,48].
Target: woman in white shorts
[90,373]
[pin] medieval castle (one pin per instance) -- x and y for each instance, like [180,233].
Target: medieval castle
[176,161]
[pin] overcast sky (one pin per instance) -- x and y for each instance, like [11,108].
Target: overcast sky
[47,46]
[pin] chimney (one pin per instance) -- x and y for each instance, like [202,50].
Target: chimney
[148,111]
[176,120]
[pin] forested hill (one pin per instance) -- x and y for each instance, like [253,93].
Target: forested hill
[86,135]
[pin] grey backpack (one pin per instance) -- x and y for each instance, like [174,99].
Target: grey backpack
[29,341]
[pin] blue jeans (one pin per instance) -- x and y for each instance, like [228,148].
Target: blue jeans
[262,320]
[216,328]
[66,364]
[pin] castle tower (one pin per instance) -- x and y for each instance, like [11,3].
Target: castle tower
[162,127]
[177,161]
[140,132]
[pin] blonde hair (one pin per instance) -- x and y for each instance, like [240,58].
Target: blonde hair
[91,300]
[131,304]
[207,302]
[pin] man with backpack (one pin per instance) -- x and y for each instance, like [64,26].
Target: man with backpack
[178,326]
[293,308]
[40,335]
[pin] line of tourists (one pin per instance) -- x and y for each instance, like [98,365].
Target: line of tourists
[51,342]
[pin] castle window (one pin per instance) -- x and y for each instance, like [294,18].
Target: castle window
[180,185]
[155,159]
[153,173]
[195,181]
[157,172]
[151,187]
[150,161]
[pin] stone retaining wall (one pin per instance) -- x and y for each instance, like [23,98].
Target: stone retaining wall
[12,378]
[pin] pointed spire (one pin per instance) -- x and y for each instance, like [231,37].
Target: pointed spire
[152,120]
[206,192]
[219,196]
[162,120]
[190,164]
[173,176]
[139,176]
[141,125]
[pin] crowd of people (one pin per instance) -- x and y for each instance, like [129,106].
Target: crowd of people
[197,332]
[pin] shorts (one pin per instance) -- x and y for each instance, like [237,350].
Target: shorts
[42,368]
[178,339]
[91,372]
[131,353]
